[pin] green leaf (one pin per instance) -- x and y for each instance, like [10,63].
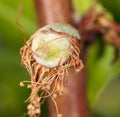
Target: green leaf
[100,69]
[9,27]
[81,6]
[12,96]
[113,7]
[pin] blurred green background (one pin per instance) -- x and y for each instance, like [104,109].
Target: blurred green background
[103,76]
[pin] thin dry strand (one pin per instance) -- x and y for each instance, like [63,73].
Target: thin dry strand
[45,82]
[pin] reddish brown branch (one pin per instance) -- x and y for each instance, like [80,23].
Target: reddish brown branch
[49,11]
[93,23]
[73,103]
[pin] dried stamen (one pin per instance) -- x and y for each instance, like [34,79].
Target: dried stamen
[48,56]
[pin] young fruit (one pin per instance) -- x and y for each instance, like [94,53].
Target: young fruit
[48,55]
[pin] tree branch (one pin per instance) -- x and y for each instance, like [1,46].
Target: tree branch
[49,11]
[73,103]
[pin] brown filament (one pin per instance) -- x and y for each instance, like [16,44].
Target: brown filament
[45,82]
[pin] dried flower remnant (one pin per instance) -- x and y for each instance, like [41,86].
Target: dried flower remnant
[48,55]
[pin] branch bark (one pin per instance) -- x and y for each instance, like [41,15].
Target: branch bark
[73,103]
[49,11]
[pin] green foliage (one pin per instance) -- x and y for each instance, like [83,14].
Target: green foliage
[81,6]
[12,96]
[101,69]
[8,14]
[113,7]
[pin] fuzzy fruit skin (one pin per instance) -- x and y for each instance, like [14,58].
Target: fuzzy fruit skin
[66,28]
[50,49]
